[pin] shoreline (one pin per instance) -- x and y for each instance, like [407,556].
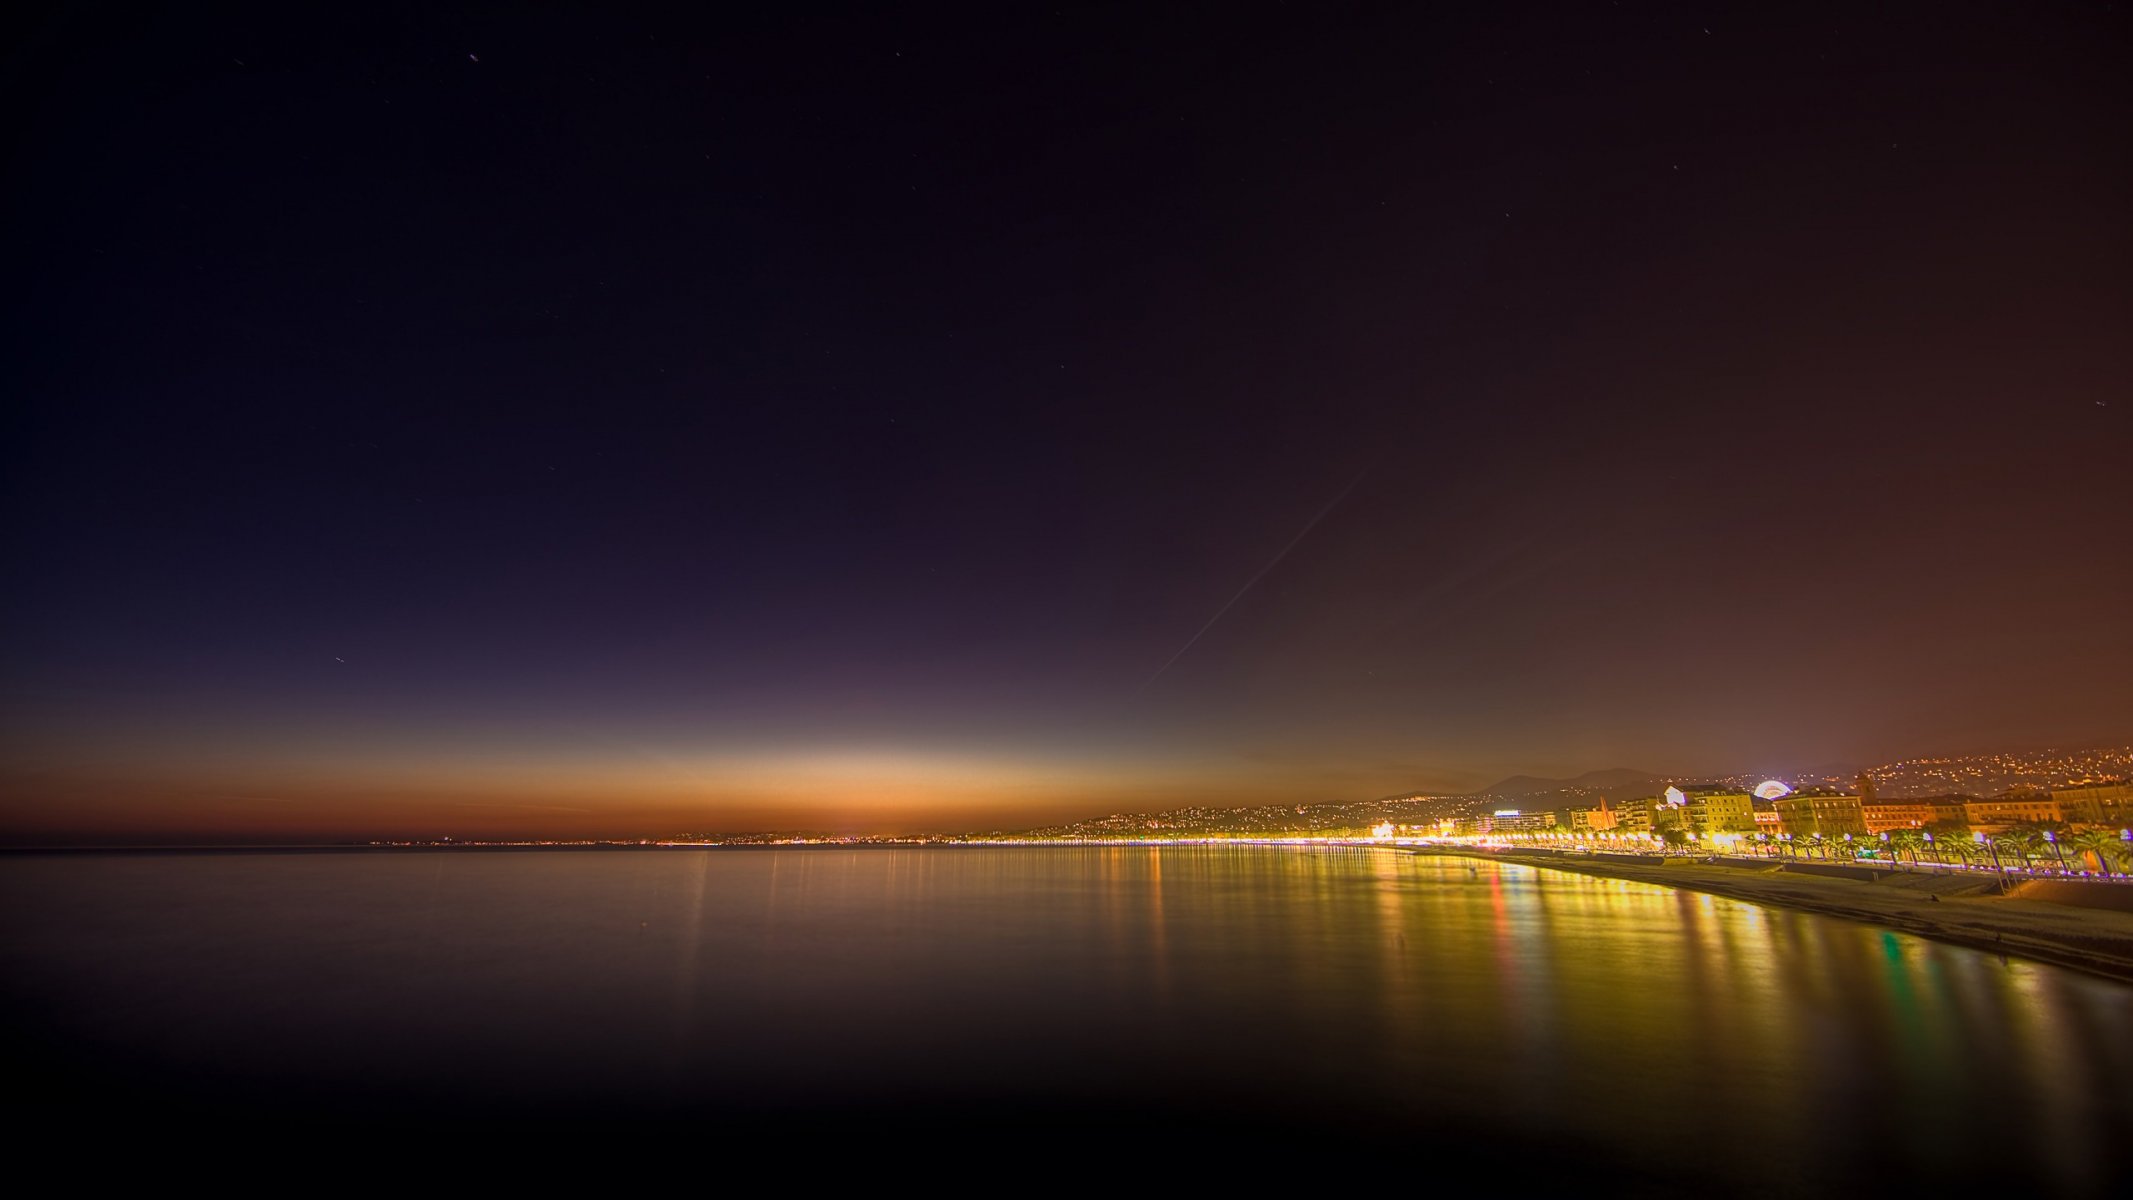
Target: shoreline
[2091,941]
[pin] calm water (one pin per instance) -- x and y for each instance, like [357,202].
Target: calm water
[1209,1001]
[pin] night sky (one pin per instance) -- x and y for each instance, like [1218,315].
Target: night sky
[574,420]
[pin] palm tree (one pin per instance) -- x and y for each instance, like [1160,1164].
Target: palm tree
[2021,841]
[1901,840]
[2102,843]
[1950,837]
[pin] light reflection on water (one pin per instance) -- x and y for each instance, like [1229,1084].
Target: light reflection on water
[1426,999]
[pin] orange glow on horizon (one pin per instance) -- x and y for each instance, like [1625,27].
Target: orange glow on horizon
[838,791]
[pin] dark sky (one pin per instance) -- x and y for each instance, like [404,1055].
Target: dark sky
[437,419]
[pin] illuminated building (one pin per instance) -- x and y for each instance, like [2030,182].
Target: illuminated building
[1907,814]
[2105,805]
[1511,820]
[1721,812]
[2002,812]
[1829,813]
[1703,810]
[1593,820]
[1638,816]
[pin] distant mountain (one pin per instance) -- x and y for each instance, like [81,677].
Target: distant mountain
[1616,783]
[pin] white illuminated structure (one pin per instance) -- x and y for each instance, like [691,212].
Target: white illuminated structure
[1771,789]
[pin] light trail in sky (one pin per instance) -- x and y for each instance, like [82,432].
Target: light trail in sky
[1261,574]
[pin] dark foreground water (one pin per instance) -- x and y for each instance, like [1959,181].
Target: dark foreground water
[1218,1007]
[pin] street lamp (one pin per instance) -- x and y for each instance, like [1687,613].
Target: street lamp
[2053,838]
[1979,837]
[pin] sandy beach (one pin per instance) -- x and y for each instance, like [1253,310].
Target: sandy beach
[2092,940]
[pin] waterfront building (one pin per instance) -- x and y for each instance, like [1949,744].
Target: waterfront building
[2016,808]
[1720,812]
[2104,805]
[1511,820]
[1638,816]
[1819,811]
[1592,820]
[1916,812]
[1700,810]
[1900,814]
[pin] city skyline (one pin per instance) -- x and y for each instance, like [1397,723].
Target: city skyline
[422,819]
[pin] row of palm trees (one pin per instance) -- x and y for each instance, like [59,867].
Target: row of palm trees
[2102,851]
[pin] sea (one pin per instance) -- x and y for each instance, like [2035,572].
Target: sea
[1245,1011]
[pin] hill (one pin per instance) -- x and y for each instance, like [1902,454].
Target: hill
[1614,783]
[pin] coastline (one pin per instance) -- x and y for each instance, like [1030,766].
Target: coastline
[2092,941]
